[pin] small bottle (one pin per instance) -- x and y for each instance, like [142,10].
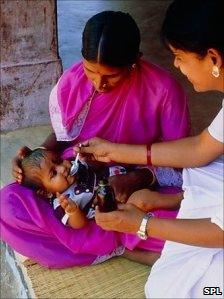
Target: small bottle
[105,197]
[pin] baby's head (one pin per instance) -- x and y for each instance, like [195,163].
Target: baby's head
[44,170]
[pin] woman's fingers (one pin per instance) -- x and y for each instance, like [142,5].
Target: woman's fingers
[16,170]
[104,219]
[121,198]
[16,161]
[87,144]
[15,164]
[22,152]
[127,219]
[95,148]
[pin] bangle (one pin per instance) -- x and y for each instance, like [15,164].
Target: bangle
[70,213]
[149,161]
[151,171]
[153,176]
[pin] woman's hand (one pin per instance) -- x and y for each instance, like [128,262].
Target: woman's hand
[105,151]
[16,170]
[121,187]
[125,184]
[144,199]
[148,200]
[96,149]
[126,219]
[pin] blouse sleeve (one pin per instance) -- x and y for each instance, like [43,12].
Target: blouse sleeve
[175,120]
[216,127]
[218,219]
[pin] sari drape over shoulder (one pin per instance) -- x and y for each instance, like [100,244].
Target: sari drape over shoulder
[148,106]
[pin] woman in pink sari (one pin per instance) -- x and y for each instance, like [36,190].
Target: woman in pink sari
[112,93]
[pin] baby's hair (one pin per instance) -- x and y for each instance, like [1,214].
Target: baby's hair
[31,161]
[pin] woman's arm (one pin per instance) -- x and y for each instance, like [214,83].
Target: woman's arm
[105,151]
[147,200]
[187,152]
[197,232]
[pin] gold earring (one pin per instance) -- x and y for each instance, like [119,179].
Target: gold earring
[215,71]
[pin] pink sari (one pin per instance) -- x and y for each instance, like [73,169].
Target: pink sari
[149,106]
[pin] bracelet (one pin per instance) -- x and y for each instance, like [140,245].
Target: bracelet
[70,213]
[152,172]
[153,176]
[149,161]
[142,232]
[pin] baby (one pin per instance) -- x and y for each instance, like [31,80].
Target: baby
[73,197]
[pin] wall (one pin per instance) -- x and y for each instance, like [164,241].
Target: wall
[149,14]
[30,65]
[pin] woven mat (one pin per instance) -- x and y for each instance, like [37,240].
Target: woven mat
[116,278]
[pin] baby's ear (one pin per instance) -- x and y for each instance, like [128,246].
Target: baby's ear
[44,193]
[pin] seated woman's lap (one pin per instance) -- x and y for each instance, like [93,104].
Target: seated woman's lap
[30,227]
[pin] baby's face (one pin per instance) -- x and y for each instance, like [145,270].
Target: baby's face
[54,173]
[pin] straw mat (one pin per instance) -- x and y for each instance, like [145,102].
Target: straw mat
[116,278]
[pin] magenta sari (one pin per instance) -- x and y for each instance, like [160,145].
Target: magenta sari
[149,106]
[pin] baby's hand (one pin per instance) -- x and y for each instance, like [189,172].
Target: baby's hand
[67,204]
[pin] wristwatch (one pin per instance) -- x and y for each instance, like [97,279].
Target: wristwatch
[142,232]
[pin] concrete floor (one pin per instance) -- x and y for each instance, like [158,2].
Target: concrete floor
[72,16]
[12,283]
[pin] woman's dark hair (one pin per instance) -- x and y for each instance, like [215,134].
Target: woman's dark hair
[194,26]
[111,38]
